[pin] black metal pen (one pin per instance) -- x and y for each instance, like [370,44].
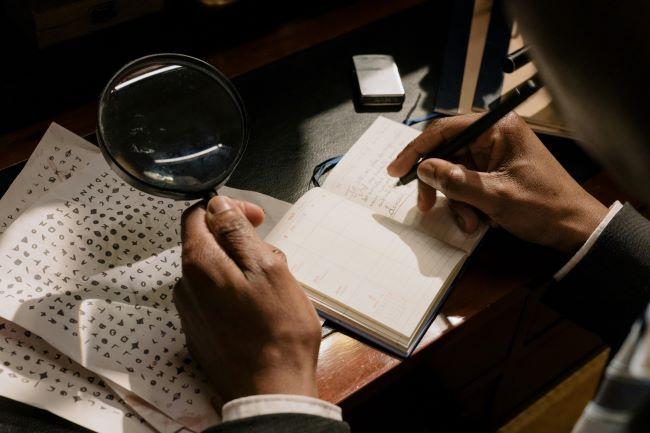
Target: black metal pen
[509,102]
[516,60]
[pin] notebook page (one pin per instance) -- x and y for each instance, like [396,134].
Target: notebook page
[361,177]
[364,260]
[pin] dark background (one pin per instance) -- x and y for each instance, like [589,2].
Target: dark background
[37,83]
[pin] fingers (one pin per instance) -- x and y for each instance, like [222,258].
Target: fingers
[458,183]
[279,253]
[184,300]
[253,212]
[438,131]
[201,250]
[235,233]
[426,196]
[466,216]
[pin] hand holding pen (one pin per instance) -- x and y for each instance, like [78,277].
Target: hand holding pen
[508,103]
[505,176]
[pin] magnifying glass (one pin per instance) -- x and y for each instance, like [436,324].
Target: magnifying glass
[172,125]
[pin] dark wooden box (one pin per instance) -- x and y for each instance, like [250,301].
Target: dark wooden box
[48,22]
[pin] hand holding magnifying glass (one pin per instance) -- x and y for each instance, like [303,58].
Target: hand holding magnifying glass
[174,126]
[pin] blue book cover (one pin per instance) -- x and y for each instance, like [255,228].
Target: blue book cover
[490,81]
[453,62]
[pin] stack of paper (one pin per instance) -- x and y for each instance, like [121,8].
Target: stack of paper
[87,267]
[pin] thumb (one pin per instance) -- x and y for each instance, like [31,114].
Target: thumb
[234,232]
[458,183]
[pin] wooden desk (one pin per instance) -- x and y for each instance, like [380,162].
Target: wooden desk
[497,349]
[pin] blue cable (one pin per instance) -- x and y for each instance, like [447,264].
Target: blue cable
[411,122]
[323,168]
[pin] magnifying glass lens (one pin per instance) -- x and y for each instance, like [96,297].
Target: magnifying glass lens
[172,126]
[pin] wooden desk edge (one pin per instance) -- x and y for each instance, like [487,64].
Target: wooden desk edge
[368,369]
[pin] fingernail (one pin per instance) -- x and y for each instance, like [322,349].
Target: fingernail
[218,205]
[426,173]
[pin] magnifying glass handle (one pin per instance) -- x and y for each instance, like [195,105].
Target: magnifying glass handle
[209,196]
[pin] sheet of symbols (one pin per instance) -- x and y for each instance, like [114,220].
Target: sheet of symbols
[87,268]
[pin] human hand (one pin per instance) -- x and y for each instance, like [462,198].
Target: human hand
[246,319]
[508,176]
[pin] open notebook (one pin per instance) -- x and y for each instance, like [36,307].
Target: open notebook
[367,257]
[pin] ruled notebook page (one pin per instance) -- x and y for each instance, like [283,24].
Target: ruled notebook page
[364,251]
[362,178]
[364,262]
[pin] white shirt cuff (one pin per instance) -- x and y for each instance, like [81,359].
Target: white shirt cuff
[256,405]
[613,210]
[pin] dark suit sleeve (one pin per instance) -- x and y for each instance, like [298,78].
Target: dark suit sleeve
[282,423]
[610,287]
